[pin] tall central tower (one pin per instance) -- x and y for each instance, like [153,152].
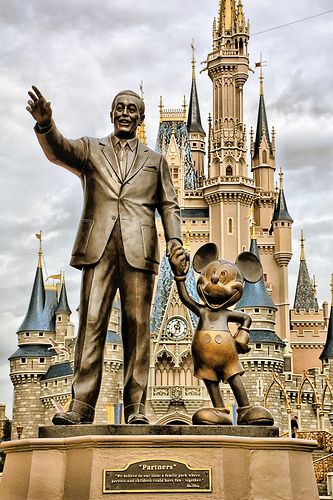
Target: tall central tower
[228,190]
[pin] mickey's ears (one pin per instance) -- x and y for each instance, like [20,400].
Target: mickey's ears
[204,256]
[250,266]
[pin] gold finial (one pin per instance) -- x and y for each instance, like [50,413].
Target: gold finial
[184,107]
[261,65]
[302,240]
[281,178]
[253,231]
[141,90]
[314,286]
[141,130]
[40,250]
[161,108]
[332,288]
[193,59]
[240,13]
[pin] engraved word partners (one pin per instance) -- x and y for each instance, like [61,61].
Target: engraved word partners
[159,476]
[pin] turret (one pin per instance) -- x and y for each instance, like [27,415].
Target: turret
[263,166]
[229,191]
[326,356]
[195,130]
[63,313]
[281,226]
[32,359]
[305,298]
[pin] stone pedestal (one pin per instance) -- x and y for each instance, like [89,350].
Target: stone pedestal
[239,467]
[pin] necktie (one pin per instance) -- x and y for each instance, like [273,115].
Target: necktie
[123,159]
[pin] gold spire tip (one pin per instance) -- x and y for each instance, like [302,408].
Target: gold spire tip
[141,90]
[281,178]
[193,59]
[40,249]
[302,240]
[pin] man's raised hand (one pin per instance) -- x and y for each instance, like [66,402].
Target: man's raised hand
[39,108]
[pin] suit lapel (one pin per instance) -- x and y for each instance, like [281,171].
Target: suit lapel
[110,155]
[139,161]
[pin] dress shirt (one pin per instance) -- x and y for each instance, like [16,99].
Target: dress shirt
[125,150]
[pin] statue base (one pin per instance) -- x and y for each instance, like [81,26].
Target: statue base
[193,460]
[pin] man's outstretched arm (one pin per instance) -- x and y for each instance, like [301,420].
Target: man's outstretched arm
[70,154]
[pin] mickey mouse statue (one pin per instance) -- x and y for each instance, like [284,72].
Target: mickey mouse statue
[214,349]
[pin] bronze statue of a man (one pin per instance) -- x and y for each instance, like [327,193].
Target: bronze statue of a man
[116,246]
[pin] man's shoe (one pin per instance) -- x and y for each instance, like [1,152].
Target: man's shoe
[70,418]
[137,418]
[254,415]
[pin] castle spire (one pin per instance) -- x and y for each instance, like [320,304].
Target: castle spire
[227,14]
[63,306]
[281,210]
[141,132]
[33,319]
[262,122]
[328,349]
[194,118]
[304,297]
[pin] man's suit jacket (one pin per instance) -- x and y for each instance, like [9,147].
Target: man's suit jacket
[147,187]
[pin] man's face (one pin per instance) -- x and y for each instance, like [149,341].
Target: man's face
[126,116]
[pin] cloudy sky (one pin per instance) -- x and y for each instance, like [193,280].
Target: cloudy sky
[80,53]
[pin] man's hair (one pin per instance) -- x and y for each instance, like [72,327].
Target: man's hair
[132,93]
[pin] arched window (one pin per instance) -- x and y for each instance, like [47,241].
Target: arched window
[228,171]
[264,156]
[230,226]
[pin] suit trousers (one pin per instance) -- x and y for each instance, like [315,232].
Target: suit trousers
[98,288]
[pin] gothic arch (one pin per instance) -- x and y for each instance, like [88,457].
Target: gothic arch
[276,380]
[306,379]
[328,387]
[177,416]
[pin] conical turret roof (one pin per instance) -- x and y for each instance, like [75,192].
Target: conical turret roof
[194,118]
[255,294]
[304,296]
[63,306]
[328,349]
[262,126]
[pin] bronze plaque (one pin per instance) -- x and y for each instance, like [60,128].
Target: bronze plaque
[159,476]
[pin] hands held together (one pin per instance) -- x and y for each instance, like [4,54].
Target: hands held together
[179,258]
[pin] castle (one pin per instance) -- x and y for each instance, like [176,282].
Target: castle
[289,368]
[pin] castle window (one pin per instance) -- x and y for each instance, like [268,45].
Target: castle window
[59,318]
[256,310]
[41,334]
[27,334]
[56,382]
[228,171]
[23,361]
[42,361]
[230,225]
[115,347]
[46,384]
[264,156]
[194,144]
[259,346]
[65,380]
[282,224]
[277,347]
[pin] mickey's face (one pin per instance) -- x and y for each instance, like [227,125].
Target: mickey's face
[220,284]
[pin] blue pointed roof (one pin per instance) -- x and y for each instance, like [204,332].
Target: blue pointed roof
[163,290]
[262,128]
[281,210]
[328,348]
[63,306]
[255,294]
[194,118]
[35,318]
